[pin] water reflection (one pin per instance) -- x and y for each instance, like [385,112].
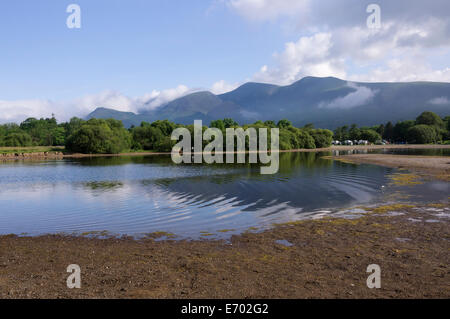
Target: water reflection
[139,195]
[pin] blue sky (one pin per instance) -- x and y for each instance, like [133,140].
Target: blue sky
[132,46]
[128,52]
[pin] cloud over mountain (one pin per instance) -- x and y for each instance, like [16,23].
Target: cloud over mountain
[440,101]
[19,110]
[362,95]
[335,40]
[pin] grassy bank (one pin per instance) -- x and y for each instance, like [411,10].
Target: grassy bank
[31,149]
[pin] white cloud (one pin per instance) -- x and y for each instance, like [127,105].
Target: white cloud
[158,98]
[338,42]
[309,56]
[19,110]
[406,70]
[11,111]
[331,39]
[362,95]
[393,53]
[109,99]
[221,87]
[440,101]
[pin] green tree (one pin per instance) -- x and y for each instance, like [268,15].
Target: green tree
[380,129]
[341,133]
[146,137]
[322,138]
[284,124]
[73,125]
[229,123]
[270,124]
[388,132]
[303,140]
[165,126]
[430,118]
[447,122]
[45,132]
[401,130]
[218,124]
[370,135]
[422,134]
[98,136]
[17,139]
[354,133]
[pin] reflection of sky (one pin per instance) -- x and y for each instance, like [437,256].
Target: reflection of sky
[141,198]
[61,171]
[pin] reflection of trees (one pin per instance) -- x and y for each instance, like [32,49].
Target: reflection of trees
[291,162]
[103,185]
[123,160]
[304,181]
[288,161]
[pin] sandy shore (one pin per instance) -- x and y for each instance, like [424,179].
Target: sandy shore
[372,147]
[437,166]
[328,259]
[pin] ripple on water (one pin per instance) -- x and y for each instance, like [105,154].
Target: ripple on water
[138,196]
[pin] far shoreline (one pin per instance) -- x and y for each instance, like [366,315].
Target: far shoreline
[60,155]
[302,150]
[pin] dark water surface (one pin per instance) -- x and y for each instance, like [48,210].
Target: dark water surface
[140,195]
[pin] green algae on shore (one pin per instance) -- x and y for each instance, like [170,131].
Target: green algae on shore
[328,259]
[405,179]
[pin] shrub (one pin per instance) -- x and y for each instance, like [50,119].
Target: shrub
[17,139]
[99,137]
[322,138]
[422,134]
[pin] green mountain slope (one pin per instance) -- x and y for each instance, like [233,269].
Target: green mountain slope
[326,102]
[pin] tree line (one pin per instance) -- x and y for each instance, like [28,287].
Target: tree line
[109,136]
[427,128]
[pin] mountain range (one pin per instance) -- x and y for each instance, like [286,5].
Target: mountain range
[325,102]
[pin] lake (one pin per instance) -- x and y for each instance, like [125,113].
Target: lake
[141,195]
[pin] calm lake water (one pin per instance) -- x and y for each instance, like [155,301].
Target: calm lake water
[141,195]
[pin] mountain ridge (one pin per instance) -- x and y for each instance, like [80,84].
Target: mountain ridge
[327,102]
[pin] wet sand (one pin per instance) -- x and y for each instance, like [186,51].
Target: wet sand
[328,259]
[437,166]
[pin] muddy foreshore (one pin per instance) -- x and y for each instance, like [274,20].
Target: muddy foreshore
[328,259]
[435,166]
